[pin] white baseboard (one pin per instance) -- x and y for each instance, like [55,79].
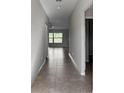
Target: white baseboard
[42,65]
[37,72]
[83,74]
[73,61]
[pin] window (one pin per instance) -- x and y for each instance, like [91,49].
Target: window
[58,37]
[50,37]
[55,37]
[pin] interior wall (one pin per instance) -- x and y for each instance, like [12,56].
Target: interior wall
[89,13]
[39,38]
[65,38]
[77,34]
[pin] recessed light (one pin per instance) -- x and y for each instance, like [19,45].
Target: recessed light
[58,0]
[53,27]
[59,7]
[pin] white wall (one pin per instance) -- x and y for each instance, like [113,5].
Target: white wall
[89,13]
[39,42]
[77,34]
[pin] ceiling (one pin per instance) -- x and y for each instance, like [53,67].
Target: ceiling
[59,12]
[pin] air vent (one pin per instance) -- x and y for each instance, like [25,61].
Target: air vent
[58,0]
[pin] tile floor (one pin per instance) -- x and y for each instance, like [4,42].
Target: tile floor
[60,76]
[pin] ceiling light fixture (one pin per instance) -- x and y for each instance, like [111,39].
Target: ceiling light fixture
[58,0]
[53,27]
[59,7]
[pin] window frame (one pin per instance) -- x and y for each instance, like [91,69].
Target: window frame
[53,39]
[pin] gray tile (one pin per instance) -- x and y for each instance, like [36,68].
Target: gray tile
[60,76]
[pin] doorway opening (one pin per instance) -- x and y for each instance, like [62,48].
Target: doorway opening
[89,34]
[89,40]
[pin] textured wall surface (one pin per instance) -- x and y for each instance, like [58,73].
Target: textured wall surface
[77,34]
[39,40]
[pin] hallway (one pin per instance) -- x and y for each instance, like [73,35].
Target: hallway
[60,76]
